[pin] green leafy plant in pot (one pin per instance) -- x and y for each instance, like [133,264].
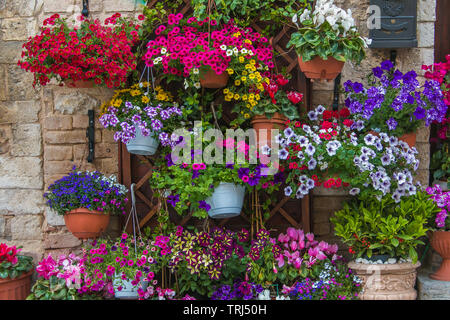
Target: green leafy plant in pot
[15,273]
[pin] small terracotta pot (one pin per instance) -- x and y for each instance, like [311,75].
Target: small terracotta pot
[317,68]
[16,289]
[409,138]
[260,123]
[386,281]
[79,83]
[210,79]
[440,241]
[86,224]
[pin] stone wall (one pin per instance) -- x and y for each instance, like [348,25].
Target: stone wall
[42,133]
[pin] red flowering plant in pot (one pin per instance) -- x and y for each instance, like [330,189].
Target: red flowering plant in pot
[15,273]
[77,55]
[440,238]
[324,150]
[86,200]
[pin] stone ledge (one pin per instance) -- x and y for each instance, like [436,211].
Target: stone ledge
[429,289]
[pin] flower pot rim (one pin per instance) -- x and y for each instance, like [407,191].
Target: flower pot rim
[22,276]
[83,210]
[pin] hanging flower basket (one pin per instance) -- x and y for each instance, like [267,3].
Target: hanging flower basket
[226,201]
[16,289]
[210,79]
[128,290]
[86,224]
[260,123]
[440,242]
[143,145]
[317,68]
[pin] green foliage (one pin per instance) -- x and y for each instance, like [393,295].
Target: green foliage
[56,289]
[333,36]
[371,227]
[440,165]
[10,270]
[247,12]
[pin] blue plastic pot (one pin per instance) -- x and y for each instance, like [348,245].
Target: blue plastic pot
[145,146]
[128,290]
[226,201]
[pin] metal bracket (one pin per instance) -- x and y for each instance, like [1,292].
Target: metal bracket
[337,83]
[85,11]
[393,57]
[90,134]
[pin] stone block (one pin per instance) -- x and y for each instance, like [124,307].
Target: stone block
[21,172]
[2,227]
[3,86]
[429,289]
[27,141]
[23,8]
[58,6]
[118,5]
[102,150]
[26,227]
[21,201]
[5,138]
[425,34]
[61,240]
[80,121]
[53,218]
[422,175]
[108,166]
[424,155]
[20,84]
[18,28]
[108,136]
[57,167]
[59,122]
[68,101]
[58,153]
[49,179]
[19,111]
[423,134]
[322,97]
[426,11]
[65,137]
[10,51]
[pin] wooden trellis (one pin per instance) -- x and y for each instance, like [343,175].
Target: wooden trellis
[283,213]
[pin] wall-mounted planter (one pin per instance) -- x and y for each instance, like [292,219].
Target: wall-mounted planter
[143,145]
[226,201]
[397,24]
[129,291]
[86,224]
[16,289]
[210,79]
[320,69]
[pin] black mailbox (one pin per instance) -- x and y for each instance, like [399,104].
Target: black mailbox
[397,24]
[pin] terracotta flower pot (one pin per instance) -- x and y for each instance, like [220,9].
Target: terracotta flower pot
[210,79]
[79,83]
[86,224]
[386,281]
[16,289]
[317,68]
[440,241]
[409,138]
[260,123]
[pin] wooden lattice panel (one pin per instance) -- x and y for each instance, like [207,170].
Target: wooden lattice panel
[284,212]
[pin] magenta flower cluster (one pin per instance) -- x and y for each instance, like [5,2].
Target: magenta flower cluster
[442,200]
[181,46]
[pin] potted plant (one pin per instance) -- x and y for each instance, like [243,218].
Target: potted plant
[128,263]
[142,117]
[440,167]
[325,39]
[201,53]
[384,236]
[86,200]
[82,55]
[274,107]
[15,273]
[324,150]
[440,238]
[60,279]
[210,185]
[394,102]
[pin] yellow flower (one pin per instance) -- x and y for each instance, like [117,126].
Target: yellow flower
[237,82]
[248,66]
[248,106]
[252,62]
[230,71]
[241,59]
[236,96]
[244,97]
[135,92]
[145,99]
[226,90]
[244,79]
[244,73]
[251,76]
[246,116]
[257,96]
[117,102]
